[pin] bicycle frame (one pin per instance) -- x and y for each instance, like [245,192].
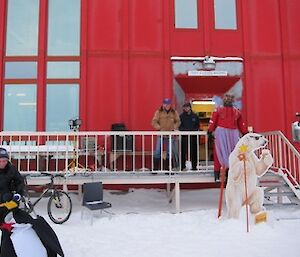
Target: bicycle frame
[29,205]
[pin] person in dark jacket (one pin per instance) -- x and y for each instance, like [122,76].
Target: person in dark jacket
[11,181]
[189,122]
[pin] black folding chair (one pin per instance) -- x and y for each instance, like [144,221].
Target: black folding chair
[93,199]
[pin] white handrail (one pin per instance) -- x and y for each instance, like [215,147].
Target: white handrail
[286,156]
[104,151]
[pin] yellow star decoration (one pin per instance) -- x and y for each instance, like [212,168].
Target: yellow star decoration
[243,148]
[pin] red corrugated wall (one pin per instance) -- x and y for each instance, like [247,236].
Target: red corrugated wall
[271,52]
[126,49]
[129,71]
[130,43]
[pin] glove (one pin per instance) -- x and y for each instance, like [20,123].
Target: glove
[210,135]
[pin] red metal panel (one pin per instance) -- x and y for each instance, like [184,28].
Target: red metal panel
[146,25]
[265,101]
[125,58]
[107,64]
[295,80]
[83,64]
[105,92]
[105,24]
[225,42]
[264,26]
[42,49]
[187,42]
[294,93]
[125,62]
[147,90]
[292,9]
[290,21]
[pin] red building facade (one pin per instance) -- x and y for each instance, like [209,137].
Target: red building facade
[126,66]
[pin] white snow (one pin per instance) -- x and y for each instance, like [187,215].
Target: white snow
[143,225]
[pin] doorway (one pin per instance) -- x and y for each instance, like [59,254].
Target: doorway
[203,81]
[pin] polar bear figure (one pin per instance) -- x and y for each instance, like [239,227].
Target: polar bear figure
[242,156]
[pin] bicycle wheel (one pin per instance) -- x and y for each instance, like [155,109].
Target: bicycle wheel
[59,207]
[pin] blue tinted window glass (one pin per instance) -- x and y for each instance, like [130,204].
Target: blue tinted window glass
[186,14]
[62,105]
[20,70]
[64,27]
[225,14]
[22,27]
[63,70]
[19,108]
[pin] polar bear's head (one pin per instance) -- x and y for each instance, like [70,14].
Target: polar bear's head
[253,141]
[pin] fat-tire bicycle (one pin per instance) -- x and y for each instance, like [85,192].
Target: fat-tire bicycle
[59,205]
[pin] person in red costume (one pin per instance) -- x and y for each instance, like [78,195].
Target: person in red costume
[227,124]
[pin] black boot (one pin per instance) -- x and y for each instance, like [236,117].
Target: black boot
[166,164]
[217,175]
[167,167]
[156,164]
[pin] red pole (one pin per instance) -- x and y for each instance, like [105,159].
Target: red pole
[222,170]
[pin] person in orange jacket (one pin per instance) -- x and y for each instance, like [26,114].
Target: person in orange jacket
[165,119]
[227,124]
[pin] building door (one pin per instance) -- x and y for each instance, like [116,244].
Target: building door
[203,81]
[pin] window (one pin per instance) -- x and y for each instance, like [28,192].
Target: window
[63,70]
[62,105]
[186,14]
[225,14]
[62,98]
[20,107]
[20,70]
[22,28]
[64,28]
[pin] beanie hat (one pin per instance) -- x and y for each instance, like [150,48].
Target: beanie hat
[167,101]
[3,153]
[187,104]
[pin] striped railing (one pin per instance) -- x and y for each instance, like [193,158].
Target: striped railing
[107,151]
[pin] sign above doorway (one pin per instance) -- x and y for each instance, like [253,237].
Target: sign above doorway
[205,73]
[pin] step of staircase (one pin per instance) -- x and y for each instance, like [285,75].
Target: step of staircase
[275,194]
[280,205]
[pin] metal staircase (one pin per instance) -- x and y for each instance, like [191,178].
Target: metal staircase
[281,182]
[277,190]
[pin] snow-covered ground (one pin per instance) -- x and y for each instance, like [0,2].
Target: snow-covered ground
[143,225]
